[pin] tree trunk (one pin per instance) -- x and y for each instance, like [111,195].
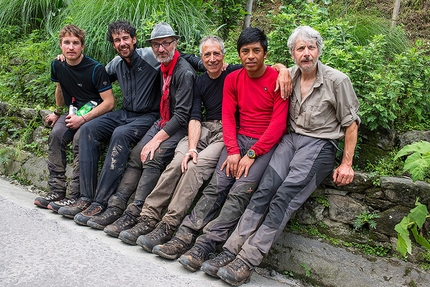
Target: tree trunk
[247,22]
[395,14]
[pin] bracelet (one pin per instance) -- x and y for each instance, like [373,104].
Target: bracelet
[84,118]
[193,150]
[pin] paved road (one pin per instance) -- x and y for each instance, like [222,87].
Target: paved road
[41,248]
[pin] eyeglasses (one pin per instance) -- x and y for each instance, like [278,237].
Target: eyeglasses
[164,44]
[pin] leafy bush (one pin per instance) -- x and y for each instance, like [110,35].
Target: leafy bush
[417,162]
[390,80]
[25,71]
[413,222]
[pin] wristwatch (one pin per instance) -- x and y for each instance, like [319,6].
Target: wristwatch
[251,153]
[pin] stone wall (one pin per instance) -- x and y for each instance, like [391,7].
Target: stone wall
[332,254]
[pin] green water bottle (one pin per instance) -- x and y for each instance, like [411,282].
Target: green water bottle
[85,109]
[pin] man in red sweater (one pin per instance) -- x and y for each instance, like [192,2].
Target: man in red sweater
[261,122]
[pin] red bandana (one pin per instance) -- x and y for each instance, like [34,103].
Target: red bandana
[167,72]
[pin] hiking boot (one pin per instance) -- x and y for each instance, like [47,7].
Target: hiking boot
[126,221]
[161,234]
[70,211]
[211,266]
[44,201]
[93,210]
[144,226]
[193,258]
[102,220]
[56,205]
[172,249]
[236,273]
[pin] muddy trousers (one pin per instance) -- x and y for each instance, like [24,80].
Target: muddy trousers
[124,130]
[223,201]
[298,166]
[142,178]
[59,138]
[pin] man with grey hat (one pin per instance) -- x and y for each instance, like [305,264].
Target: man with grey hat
[156,149]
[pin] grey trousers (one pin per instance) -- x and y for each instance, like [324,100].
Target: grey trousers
[224,196]
[298,166]
[59,138]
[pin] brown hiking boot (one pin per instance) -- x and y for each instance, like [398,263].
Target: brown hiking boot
[144,226]
[126,221]
[161,234]
[172,249]
[78,206]
[194,258]
[94,209]
[104,219]
[236,273]
[211,266]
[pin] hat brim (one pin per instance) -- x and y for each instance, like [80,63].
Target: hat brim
[160,37]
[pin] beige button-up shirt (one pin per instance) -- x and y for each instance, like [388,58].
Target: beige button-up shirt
[330,106]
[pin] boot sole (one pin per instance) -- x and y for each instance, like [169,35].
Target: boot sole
[127,240]
[188,267]
[95,225]
[37,203]
[166,256]
[209,271]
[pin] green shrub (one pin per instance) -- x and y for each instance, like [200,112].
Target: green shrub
[390,80]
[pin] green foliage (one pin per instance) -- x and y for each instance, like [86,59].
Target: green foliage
[225,14]
[365,218]
[6,154]
[94,16]
[30,14]
[413,222]
[25,71]
[307,269]
[417,162]
[380,251]
[389,78]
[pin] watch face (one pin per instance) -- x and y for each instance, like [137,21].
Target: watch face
[251,153]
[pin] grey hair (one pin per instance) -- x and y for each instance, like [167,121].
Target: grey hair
[306,33]
[215,39]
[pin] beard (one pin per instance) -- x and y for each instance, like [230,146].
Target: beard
[167,59]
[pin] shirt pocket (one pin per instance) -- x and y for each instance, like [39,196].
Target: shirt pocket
[316,116]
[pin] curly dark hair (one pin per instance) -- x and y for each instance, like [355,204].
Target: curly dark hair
[118,27]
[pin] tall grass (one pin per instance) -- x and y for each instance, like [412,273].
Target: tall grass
[30,14]
[185,16]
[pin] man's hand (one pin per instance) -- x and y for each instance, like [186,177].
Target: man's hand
[149,149]
[244,166]
[60,58]
[343,175]
[187,157]
[283,83]
[74,122]
[231,164]
[51,119]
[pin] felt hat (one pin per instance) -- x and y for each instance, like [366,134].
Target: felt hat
[162,30]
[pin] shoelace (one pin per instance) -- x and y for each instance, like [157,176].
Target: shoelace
[197,253]
[51,196]
[160,231]
[65,201]
[238,264]
[175,242]
[223,257]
